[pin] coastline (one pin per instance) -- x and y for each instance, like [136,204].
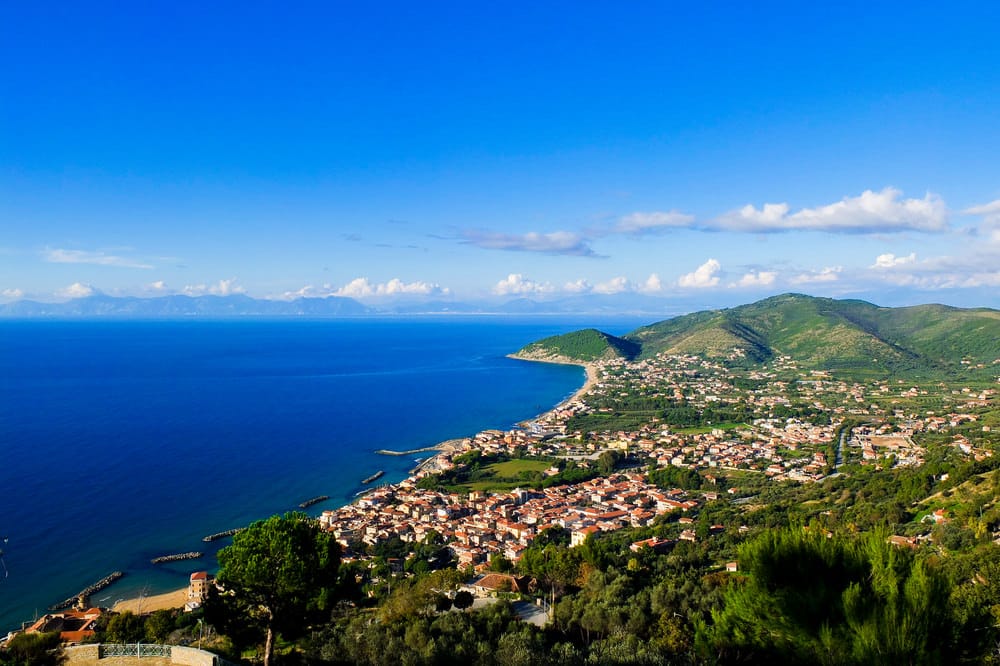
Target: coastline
[154,602]
[589,382]
[447,446]
[318,443]
[177,598]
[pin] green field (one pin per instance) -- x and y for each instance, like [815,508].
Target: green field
[512,468]
[503,476]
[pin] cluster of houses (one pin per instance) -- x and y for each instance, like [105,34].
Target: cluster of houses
[782,447]
[481,526]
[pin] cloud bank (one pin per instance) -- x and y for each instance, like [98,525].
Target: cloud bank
[871,212]
[220,288]
[61,256]
[362,287]
[556,242]
[652,222]
[516,284]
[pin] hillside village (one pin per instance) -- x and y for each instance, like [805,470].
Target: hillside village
[804,427]
[654,492]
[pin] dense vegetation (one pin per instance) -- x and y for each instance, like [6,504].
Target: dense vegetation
[926,340]
[279,575]
[42,649]
[586,345]
[817,583]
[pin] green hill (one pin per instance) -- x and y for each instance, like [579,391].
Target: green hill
[821,333]
[579,347]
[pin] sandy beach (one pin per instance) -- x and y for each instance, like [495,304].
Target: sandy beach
[589,383]
[167,600]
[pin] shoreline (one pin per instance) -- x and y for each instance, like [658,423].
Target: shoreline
[177,598]
[153,602]
[590,370]
[447,446]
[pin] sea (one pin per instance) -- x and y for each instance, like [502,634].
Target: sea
[121,441]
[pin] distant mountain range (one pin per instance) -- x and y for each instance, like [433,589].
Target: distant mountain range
[183,306]
[102,305]
[819,333]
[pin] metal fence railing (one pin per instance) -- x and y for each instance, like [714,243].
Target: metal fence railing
[133,650]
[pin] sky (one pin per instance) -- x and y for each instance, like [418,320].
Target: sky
[720,152]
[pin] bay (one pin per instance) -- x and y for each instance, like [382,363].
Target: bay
[124,440]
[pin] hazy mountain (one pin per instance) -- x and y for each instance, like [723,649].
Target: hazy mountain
[101,305]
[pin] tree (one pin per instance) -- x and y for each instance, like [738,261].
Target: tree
[278,576]
[812,598]
[463,599]
[39,649]
[125,627]
[608,461]
[159,625]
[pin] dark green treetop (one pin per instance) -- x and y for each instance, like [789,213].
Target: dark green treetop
[278,577]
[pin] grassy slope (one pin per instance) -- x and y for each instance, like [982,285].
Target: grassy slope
[827,333]
[816,332]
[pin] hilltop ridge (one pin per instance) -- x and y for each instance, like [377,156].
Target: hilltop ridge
[821,333]
[579,347]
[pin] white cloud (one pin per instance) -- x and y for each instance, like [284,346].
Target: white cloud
[870,212]
[828,274]
[556,242]
[76,290]
[362,287]
[704,276]
[756,279]
[357,288]
[517,284]
[991,222]
[12,294]
[890,260]
[397,286]
[931,277]
[647,222]
[615,285]
[988,209]
[310,291]
[749,218]
[159,285]
[60,256]
[578,287]
[652,285]
[977,269]
[220,288]
[980,279]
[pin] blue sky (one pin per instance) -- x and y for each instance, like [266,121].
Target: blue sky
[723,151]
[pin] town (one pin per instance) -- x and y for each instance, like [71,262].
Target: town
[770,425]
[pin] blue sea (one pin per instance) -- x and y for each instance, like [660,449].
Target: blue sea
[124,440]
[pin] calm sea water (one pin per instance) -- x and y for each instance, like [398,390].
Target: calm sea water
[121,441]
